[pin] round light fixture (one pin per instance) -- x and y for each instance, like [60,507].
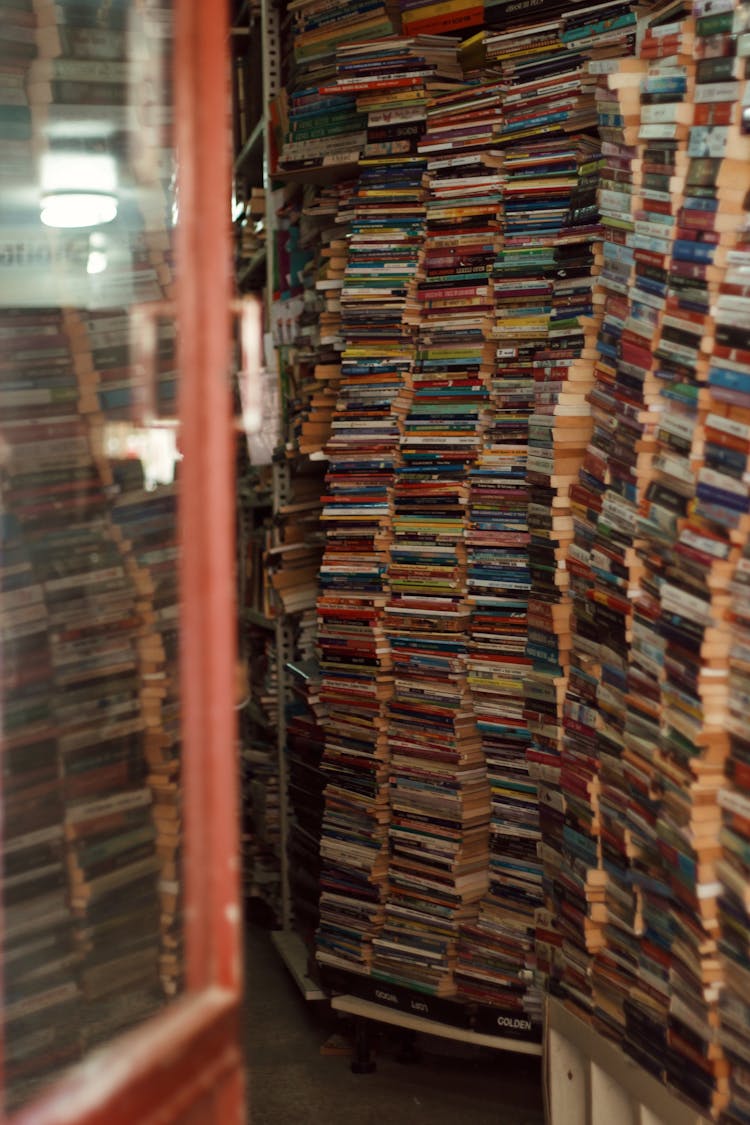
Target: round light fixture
[78,208]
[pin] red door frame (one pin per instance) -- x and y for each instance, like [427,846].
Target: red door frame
[185,1065]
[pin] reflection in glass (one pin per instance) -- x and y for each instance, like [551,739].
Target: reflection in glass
[90,709]
[78,189]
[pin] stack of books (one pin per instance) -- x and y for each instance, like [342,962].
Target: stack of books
[664,423]
[691,595]
[291,560]
[296,306]
[451,303]
[261,866]
[266,811]
[438,790]
[542,289]
[87,68]
[726,450]
[733,868]
[440,17]
[355,686]
[294,561]
[355,662]
[319,130]
[92,622]
[492,952]
[47,449]
[328,207]
[100,651]
[667,330]
[605,497]
[658,506]
[250,238]
[322,130]
[310,256]
[601,558]
[387,219]
[146,526]
[304,744]
[397,74]
[706,313]
[17,50]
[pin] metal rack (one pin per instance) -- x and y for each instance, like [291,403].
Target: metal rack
[368,1011]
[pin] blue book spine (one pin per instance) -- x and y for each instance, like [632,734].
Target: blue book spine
[688,250]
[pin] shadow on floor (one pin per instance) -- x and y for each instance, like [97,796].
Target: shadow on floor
[290,1081]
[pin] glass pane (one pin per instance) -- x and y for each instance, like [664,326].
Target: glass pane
[91,765]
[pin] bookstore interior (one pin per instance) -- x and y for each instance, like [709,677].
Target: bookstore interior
[490,380]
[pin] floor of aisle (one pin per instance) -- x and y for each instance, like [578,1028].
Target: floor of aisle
[291,1081]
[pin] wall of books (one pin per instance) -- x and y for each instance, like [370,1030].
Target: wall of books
[90,711]
[523,350]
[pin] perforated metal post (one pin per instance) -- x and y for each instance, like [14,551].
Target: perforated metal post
[270,31]
[284,652]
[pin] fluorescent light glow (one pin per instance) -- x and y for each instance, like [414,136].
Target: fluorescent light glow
[78,189]
[78,209]
[97,262]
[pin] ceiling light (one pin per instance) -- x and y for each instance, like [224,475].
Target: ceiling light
[78,189]
[78,208]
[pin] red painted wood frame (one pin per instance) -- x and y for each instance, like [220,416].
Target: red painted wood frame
[185,1065]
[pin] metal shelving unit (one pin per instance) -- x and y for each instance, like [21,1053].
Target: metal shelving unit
[287,941]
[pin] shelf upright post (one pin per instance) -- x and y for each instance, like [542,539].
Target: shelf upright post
[271,55]
[284,653]
[288,943]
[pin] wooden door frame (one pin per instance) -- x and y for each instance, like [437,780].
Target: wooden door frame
[186,1062]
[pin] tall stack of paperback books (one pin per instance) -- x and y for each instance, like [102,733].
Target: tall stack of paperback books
[657,508]
[453,300]
[294,561]
[260,773]
[325,129]
[604,571]
[304,743]
[688,600]
[726,450]
[602,550]
[387,223]
[112,859]
[667,375]
[733,867]
[47,452]
[85,830]
[309,257]
[92,621]
[328,208]
[438,790]
[146,521]
[17,50]
[543,307]
[715,540]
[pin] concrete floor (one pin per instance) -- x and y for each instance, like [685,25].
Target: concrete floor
[291,1081]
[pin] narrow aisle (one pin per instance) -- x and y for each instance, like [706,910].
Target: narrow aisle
[290,1081]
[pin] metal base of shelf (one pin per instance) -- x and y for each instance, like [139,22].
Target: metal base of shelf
[590,1078]
[367,1009]
[293,953]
